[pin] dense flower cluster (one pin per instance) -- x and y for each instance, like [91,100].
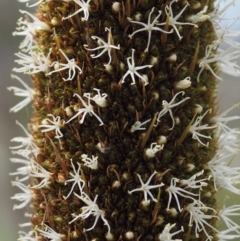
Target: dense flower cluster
[86,179]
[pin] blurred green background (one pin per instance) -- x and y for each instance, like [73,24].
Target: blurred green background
[9,14]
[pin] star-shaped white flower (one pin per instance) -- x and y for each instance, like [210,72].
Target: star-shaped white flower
[50,234]
[166,235]
[88,109]
[91,208]
[29,29]
[24,197]
[27,92]
[173,21]
[76,178]
[148,27]
[83,8]
[106,47]
[167,107]
[132,70]
[55,124]
[145,188]
[195,127]
[71,65]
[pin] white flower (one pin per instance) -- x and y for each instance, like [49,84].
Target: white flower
[106,47]
[137,126]
[24,170]
[71,66]
[99,99]
[83,8]
[154,148]
[195,127]
[224,58]
[28,30]
[145,188]
[26,142]
[229,141]
[50,234]
[27,92]
[39,172]
[183,84]
[34,63]
[222,120]
[166,235]
[168,106]
[91,209]
[24,197]
[55,124]
[148,27]
[197,215]
[30,236]
[88,109]
[224,235]
[232,211]
[193,183]
[132,70]
[175,191]
[173,21]
[200,16]
[223,175]
[76,178]
[90,162]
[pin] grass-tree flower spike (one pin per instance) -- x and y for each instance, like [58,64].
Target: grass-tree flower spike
[104,46]
[126,141]
[27,92]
